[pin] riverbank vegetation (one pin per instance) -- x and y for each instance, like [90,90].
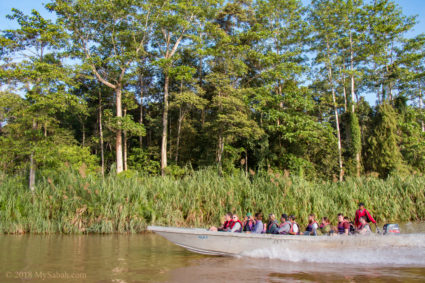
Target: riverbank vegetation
[71,203]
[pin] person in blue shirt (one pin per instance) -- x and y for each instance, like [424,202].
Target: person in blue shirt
[259,226]
[285,225]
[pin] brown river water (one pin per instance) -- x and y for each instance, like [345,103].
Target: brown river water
[149,258]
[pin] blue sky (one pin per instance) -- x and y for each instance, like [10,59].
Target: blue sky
[409,7]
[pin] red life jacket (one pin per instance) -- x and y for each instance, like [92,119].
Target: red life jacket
[341,228]
[227,224]
[359,214]
[291,231]
[233,224]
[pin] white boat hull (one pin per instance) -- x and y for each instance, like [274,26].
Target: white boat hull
[233,244]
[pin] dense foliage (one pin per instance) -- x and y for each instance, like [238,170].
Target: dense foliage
[155,86]
[71,203]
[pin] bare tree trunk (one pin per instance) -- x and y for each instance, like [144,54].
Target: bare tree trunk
[390,91]
[32,164]
[420,107]
[200,70]
[164,126]
[220,151]
[353,95]
[125,144]
[141,109]
[32,172]
[383,96]
[141,123]
[338,132]
[84,133]
[102,154]
[203,117]
[279,93]
[179,126]
[358,164]
[148,132]
[118,144]
[344,90]
[246,161]
[170,148]
[352,74]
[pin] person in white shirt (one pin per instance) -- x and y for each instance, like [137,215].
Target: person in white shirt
[236,225]
[295,229]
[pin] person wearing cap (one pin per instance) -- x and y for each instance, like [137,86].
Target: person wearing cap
[285,225]
[362,211]
[249,223]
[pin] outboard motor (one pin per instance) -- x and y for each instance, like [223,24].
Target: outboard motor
[391,229]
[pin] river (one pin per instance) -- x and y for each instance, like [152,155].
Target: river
[149,258]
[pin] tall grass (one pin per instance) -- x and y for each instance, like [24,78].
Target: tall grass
[71,203]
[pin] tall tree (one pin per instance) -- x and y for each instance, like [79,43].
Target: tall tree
[352,41]
[178,23]
[384,151]
[411,67]
[41,75]
[386,25]
[108,37]
[325,22]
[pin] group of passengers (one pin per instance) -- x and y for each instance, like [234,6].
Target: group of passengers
[289,226]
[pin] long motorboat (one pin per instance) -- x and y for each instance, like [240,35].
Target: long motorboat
[233,244]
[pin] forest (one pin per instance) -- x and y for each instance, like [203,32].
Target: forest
[158,87]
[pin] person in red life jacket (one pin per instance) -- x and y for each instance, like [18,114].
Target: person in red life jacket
[249,223]
[362,211]
[312,226]
[295,229]
[236,225]
[364,228]
[343,227]
[226,225]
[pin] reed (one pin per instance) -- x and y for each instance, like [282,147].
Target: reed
[72,203]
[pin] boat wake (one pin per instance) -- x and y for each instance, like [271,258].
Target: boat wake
[399,250]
